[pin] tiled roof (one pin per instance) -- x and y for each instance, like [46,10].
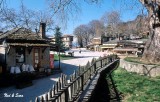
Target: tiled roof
[125,49]
[67,35]
[111,42]
[134,41]
[108,46]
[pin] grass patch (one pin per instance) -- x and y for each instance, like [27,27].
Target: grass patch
[133,59]
[137,88]
[62,57]
[137,60]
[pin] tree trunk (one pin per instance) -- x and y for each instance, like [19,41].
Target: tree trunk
[152,49]
[81,43]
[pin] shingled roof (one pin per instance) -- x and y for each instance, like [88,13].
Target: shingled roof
[23,37]
[20,33]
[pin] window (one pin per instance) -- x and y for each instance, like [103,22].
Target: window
[20,55]
[71,38]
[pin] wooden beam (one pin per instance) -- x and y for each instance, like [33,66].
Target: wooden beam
[8,50]
[30,49]
[44,49]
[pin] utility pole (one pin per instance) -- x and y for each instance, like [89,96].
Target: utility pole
[59,56]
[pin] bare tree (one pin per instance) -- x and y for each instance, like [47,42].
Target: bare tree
[45,17]
[141,24]
[26,17]
[2,4]
[83,35]
[9,18]
[87,34]
[97,28]
[79,34]
[66,9]
[61,10]
[111,20]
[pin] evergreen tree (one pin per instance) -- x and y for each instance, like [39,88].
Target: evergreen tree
[58,39]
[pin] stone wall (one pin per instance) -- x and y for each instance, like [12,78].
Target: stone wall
[142,69]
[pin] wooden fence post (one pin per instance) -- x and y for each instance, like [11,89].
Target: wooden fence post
[37,99]
[101,63]
[62,81]
[81,82]
[54,90]
[71,87]
[41,99]
[95,66]
[57,87]
[46,96]
[50,94]
[66,95]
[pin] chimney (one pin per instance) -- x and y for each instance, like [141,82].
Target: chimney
[42,30]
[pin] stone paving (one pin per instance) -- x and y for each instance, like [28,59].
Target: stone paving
[41,86]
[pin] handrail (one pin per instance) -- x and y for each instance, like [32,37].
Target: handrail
[65,91]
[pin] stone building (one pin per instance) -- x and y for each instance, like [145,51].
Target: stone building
[109,45]
[130,46]
[67,40]
[22,46]
[99,43]
[95,44]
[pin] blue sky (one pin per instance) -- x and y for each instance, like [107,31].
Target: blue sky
[88,12]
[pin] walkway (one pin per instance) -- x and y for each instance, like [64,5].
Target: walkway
[43,85]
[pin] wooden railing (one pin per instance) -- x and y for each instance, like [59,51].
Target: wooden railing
[69,90]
